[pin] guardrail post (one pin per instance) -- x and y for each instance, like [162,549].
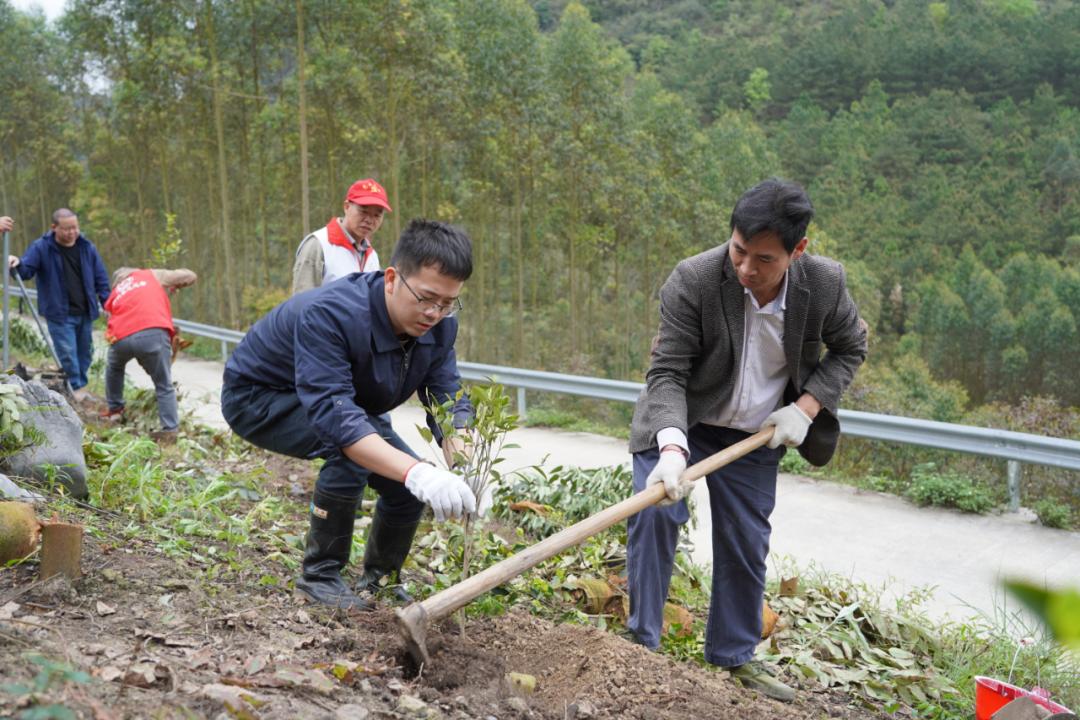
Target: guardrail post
[521,403]
[224,351]
[1014,485]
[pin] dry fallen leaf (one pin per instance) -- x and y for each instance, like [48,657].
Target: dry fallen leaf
[103,609]
[141,675]
[109,673]
[202,657]
[255,664]
[768,620]
[7,612]
[240,703]
[531,506]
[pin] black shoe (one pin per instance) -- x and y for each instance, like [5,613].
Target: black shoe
[329,541]
[387,547]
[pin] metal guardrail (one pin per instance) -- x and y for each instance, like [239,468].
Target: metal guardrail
[1014,447]
[1005,444]
[224,335]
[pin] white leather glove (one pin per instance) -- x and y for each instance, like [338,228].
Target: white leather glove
[445,492]
[791,426]
[668,470]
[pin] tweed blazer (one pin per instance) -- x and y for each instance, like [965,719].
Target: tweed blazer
[700,344]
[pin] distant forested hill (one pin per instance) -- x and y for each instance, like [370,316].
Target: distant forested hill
[586,148]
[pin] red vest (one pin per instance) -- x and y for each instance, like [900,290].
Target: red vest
[137,303]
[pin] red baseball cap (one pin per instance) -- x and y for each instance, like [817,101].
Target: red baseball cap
[368,192]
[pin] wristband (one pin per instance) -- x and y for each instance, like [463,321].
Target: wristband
[675,448]
[410,468]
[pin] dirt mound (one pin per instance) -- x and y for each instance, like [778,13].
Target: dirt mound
[585,672]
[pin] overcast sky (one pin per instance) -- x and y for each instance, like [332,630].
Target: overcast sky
[52,8]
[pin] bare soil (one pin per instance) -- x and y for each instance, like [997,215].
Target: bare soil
[162,638]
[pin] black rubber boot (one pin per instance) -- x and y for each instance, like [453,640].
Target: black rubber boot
[385,553]
[329,541]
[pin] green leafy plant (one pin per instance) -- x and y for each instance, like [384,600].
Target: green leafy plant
[15,435]
[544,502]
[1059,610]
[25,338]
[1054,513]
[52,675]
[12,406]
[796,464]
[948,490]
[169,244]
[478,448]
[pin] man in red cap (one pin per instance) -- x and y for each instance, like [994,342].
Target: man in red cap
[344,245]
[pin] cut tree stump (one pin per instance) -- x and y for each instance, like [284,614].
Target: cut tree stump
[61,550]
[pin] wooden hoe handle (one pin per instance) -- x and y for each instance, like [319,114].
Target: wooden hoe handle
[444,603]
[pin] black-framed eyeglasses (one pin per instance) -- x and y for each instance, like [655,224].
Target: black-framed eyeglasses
[425,305]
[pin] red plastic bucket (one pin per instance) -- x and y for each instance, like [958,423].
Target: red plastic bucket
[992,695]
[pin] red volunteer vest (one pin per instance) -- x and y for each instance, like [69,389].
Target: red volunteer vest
[336,236]
[137,303]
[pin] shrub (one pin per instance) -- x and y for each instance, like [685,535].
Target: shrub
[559,497]
[794,463]
[26,338]
[948,490]
[1053,513]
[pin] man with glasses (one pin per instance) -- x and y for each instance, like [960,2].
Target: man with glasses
[312,378]
[344,245]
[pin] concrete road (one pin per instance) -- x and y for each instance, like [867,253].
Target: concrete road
[871,537]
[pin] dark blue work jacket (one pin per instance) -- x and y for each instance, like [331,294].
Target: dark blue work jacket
[42,259]
[334,347]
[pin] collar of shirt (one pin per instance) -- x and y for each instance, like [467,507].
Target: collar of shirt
[362,245]
[777,305]
[382,332]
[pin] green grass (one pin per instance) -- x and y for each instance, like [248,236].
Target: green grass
[569,420]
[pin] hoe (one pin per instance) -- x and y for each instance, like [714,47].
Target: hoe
[413,620]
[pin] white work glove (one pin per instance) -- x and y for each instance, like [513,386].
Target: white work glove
[445,492]
[791,426]
[668,470]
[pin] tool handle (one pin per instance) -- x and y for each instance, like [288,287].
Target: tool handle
[444,603]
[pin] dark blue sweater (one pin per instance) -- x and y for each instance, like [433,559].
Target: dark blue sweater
[335,348]
[42,259]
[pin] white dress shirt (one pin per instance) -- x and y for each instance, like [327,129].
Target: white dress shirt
[763,372]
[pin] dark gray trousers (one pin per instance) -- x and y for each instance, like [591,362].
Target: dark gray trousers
[275,420]
[741,498]
[152,349]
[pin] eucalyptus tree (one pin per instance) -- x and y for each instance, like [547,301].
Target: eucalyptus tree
[38,168]
[502,112]
[587,76]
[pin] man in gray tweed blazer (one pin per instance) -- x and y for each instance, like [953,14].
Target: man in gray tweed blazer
[742,330]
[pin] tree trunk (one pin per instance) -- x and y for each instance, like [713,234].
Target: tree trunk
[305,211]
[519,272]
[230,280]
[260,151]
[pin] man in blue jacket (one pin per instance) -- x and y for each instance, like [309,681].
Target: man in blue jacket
[71,284]
[313,377]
